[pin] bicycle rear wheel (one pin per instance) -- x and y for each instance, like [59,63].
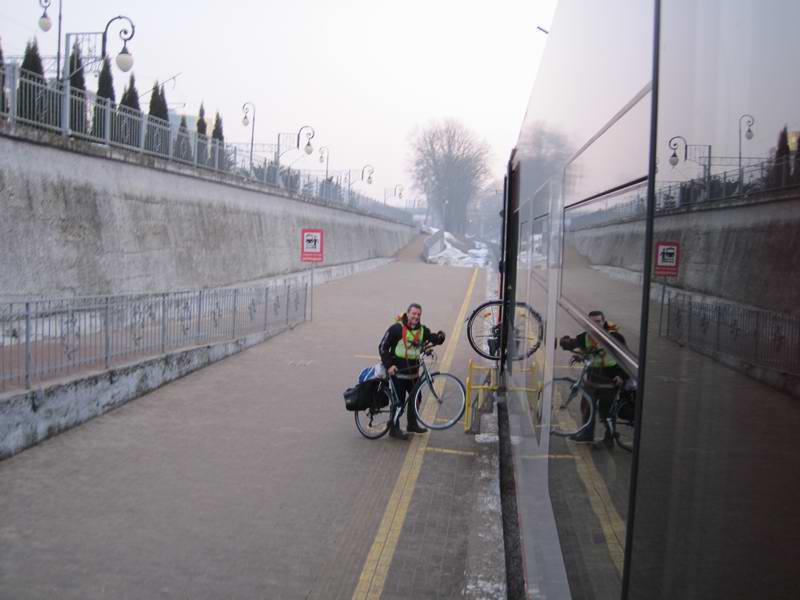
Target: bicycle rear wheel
[374,421]
[440,401]
[624,432]
[566,417]
[483,330]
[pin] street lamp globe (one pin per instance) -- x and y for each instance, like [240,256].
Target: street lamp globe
[321,158]
[673,160]
[369,179]
[44,22]
[309,148]
[245,120]
[124,59]
[748,134]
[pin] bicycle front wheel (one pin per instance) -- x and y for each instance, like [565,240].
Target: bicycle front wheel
[567,418]
[439,401]
[484,324]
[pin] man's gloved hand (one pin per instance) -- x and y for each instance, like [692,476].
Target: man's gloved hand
[440,335]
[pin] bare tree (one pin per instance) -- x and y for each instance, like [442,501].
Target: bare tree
[449,165]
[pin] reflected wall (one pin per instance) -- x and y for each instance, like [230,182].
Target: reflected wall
[717,492]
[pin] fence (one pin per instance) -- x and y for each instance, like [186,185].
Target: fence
[44,339]
[747,184]
[30,99]
[759,337]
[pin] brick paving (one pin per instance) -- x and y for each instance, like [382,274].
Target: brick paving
[246,479]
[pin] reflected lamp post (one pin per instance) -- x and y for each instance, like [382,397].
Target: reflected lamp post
[325,156]
[750,121]
[675,142]
[246,121]
[369,170]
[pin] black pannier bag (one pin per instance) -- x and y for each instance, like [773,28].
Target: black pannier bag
[365,395]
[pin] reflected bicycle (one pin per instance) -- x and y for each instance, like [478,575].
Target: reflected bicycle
[485,324]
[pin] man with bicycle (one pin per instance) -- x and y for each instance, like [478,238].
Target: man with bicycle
[604,375]
[400,350]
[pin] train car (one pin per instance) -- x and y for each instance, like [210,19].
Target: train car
[651,218]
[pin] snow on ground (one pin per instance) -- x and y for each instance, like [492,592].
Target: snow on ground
[478,256]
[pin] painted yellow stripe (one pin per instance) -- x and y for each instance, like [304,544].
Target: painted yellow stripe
[376,568]
[547,456]
[599,499]
[450,451]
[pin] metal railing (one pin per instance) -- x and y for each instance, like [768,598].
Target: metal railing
[759,337]
[30,99]
[747,185]
[45,339]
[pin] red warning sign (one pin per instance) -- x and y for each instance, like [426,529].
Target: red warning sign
[668,256]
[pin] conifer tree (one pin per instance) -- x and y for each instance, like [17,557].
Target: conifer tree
[105,83]
[182,150]
[217,131]
[77,87]
[130,96]
[779,174]
[202,126]
[31,104]
[155,96]
[3,107]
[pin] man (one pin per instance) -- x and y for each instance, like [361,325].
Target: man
[603,372]
[400,350]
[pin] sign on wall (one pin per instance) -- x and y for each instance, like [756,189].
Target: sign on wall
[311,245]
[668,256]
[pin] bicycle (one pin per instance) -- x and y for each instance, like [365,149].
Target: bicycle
[485,324]
[621,413]
[438,401]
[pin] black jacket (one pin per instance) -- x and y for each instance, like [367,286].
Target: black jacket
[579,343]
[393,335]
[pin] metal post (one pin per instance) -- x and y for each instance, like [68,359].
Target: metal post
[199,313]
[196,149]
[661,314]
[708,175]
[163,323]
[305,300]
[288,290]
[311,308]
[757,333]
[689,324]
[233,318]
[142,130]
[107,121]
[719,318]
[65,99]
[12,76]
[107,335]
[266,307]
[28,355]
[216,154]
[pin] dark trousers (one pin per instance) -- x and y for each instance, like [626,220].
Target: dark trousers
[404,387]
[603,397]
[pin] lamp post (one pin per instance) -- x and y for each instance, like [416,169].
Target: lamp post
[245,121]
[398,194]
[370,170]
[45,24]
[309,149]
[325,156]
[674,142]
[124,58]
[749,135]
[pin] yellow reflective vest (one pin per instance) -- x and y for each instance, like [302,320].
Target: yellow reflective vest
[409,344]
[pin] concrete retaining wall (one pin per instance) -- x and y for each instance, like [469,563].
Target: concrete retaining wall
[74,223]
[720,248]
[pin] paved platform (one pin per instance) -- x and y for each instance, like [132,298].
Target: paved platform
[248,479]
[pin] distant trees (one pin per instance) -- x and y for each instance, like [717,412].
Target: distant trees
[158,103]
[32,104]
[105,89]
[3,104]
[130,95]
[77,91]
[779,173]
[449,165]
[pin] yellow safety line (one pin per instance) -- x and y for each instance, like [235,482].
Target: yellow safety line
[600,500]
[376,568]
[547,456]
[450,451]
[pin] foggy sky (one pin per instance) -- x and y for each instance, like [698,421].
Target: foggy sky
[363,73]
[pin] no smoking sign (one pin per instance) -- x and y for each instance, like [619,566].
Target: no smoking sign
[311,245]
